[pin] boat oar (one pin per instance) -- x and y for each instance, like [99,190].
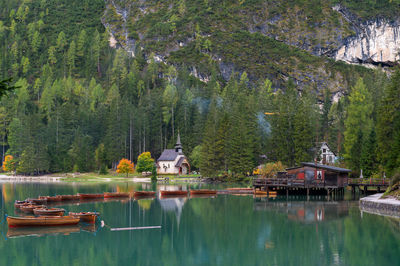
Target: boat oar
[135,228]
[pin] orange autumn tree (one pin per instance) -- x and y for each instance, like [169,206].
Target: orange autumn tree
[125,166]
[9,164]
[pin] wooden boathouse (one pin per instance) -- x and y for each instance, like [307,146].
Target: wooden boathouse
[309,177]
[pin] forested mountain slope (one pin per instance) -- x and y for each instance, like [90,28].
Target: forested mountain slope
[259,37]
[208,69]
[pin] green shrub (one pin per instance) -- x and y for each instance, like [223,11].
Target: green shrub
[395,178]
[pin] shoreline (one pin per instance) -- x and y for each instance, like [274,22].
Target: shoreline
[81,178]
[46,178]
[385,207]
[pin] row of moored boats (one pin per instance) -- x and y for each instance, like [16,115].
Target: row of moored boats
[44,216]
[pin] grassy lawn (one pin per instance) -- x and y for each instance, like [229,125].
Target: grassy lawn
[115,177]
[95,177]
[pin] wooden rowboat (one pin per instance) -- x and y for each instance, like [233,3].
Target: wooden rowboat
[116,194]
[41,221]
[203,192]
[90,196]
[49,212]
[67,197]
[192,196]
[19,203]
[51,198]
[37,201]
[87,217]
[173,192]
[30,208]
[138,194]
[239,190]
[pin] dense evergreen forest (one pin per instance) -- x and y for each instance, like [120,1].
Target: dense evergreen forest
[81,104]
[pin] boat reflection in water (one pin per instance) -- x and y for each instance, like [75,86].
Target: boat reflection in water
[14,232]
[41,231]
[306,211]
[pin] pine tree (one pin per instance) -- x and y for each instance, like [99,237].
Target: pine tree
[81,44]
[282,124]
[36,42]
[358,123]
[325,121]
[71,57]
[368,161]
[208,165]
[170,99]
[388,125]
[52,55]
[303,136]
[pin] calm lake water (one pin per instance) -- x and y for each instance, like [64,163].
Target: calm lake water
[225,230]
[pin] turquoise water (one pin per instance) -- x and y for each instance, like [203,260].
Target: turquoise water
[225,230]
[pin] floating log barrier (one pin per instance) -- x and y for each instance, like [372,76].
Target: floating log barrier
[135,228]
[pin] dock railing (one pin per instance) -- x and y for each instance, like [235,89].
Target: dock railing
[369,181]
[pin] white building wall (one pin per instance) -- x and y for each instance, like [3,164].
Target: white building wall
[171,169]
[327,153]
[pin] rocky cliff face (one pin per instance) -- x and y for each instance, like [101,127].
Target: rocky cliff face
[377,42]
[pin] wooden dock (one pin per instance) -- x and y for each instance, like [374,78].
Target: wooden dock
[319,186]
[297,185]
[368,184]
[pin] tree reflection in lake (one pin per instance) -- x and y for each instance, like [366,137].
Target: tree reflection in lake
[224,230]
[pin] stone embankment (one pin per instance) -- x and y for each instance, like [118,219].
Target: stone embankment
[375,204]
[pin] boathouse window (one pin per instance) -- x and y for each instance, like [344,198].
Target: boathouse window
[319,174]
